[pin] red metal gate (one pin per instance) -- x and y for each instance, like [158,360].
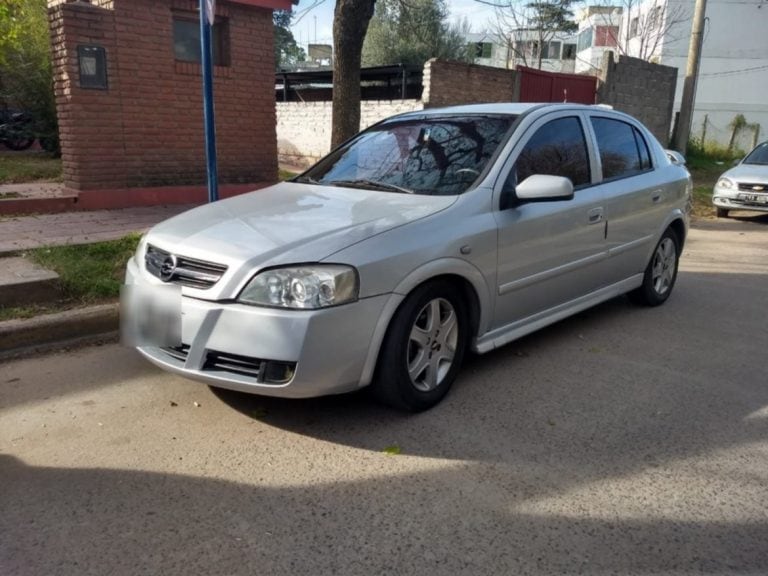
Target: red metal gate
[540,86]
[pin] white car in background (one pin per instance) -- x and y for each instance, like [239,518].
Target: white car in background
[745,186]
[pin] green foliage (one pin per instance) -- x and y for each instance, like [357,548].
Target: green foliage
[26,79]
[411,32]
[552,16]
[21,167]
[89,272]
[706,152]
[287,52]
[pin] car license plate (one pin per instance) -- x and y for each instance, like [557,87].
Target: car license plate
[755,198]
[150,315]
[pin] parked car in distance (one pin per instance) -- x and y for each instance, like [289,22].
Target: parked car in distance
[745,186]
[429,234]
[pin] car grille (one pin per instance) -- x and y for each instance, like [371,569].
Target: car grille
[178,352]
[261,371]
[234,363]
[182,270]
[751,187]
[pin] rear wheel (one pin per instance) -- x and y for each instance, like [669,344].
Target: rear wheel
[722,212]
[18,143]
[661,273]
[423,350]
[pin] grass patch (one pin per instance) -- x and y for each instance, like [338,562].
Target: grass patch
[285,174]
[705,170]
[35,166]
[89,272]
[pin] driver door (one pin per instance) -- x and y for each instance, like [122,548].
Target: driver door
[551,251]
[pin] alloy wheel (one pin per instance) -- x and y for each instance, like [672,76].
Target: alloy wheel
[432,344]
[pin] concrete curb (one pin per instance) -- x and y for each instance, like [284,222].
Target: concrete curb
[59,330]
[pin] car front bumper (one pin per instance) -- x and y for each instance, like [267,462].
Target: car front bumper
[268,351]
[734,199]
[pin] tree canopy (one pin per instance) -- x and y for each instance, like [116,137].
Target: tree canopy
[411,32]
[26,78]
[287,52]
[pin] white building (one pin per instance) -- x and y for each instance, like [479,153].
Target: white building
[521,48]
[598,33]
[733,75]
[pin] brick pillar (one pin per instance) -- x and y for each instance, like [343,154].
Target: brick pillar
[146,130]
[90,122]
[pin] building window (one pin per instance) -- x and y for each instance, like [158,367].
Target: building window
[585,39]
[551,51]
[634,24]
[569,51]
[483,50]
[186,40]
[606,35]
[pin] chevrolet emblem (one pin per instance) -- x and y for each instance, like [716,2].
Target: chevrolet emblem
[758,188]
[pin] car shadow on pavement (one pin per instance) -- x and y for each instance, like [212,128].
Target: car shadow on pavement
[734,222]
[454,521]
[612,390]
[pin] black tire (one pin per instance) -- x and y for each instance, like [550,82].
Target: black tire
[661,273]
[431,372]
[722,212]
[19,143]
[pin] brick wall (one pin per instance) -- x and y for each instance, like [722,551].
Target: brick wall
[447,83]
[641,89]
[304,128]
[147,128]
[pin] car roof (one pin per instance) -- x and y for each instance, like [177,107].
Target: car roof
[512,108]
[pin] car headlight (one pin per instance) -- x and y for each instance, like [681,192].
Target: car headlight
[302,287]
[724,183]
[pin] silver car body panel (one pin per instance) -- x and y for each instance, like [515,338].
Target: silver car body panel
[522,278]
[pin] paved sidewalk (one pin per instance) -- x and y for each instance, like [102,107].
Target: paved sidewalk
[25,232]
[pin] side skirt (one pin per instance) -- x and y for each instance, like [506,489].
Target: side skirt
[515,330]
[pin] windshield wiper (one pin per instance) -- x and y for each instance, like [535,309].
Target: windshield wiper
[364,182]
[305,180]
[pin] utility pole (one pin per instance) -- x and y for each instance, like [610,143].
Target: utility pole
[691,77]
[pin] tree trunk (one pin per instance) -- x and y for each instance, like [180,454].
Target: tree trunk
[350,24]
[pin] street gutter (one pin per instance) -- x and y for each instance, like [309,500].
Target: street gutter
[78,327]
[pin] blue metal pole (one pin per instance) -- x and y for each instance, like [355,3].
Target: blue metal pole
[208,114]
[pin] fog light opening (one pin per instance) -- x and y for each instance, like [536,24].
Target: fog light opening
[278,372]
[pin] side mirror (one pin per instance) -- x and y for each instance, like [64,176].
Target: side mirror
[541,187]
[675,157]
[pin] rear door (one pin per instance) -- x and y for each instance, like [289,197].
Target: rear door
[635,196]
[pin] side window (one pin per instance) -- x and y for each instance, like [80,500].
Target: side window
[623,150]
[558,149]
[642,146]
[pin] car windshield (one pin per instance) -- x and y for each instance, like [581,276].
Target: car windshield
[437,156]
[758,156]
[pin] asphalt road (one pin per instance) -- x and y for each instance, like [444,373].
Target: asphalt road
[621,441]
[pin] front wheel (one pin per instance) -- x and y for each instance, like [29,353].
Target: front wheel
[423,349]
[661,273]
[722,212]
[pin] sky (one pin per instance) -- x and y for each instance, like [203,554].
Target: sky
[313,19]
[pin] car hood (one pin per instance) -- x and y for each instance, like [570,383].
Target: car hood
[285,224]
[757,173]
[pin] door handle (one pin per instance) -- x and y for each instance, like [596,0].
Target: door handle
[595,215]
[656,197]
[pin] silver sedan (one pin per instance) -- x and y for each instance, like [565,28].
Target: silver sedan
[430,234]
